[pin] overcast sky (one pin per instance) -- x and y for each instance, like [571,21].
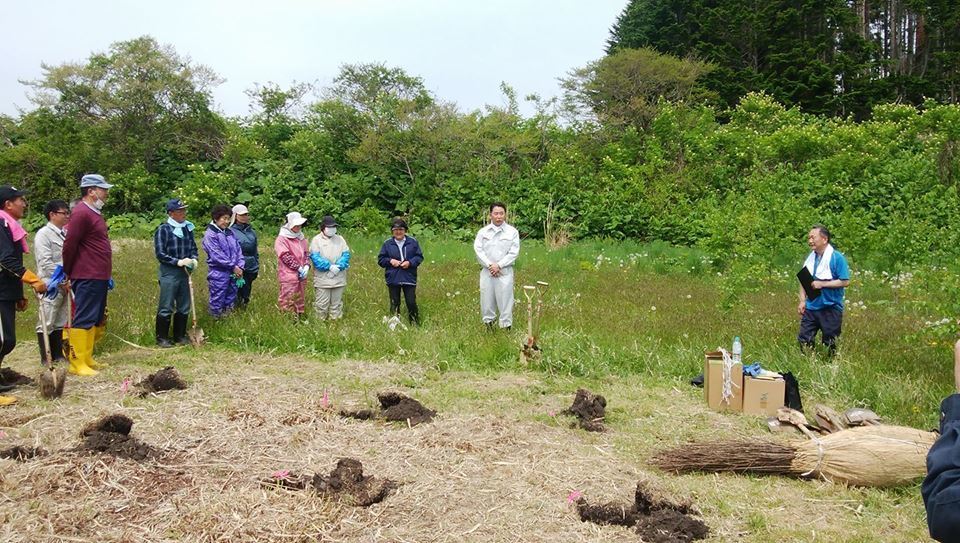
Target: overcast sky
[462,49]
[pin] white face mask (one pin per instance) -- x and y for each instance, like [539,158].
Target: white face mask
[330,231]
[98,204]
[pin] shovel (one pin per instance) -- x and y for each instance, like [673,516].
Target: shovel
[67,348]
[529,349]
[542,287]
[195,334]
[52,378]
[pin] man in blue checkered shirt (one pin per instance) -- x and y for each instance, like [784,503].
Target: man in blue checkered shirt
[177,252]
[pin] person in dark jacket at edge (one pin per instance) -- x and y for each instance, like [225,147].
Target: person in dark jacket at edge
[400,256]
[941,487]
[247,237]
[13,244]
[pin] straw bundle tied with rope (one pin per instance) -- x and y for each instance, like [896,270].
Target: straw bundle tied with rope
[877,456]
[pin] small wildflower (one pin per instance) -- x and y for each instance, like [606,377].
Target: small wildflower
[125,385]
[281,474]
[552,413]
[653,308]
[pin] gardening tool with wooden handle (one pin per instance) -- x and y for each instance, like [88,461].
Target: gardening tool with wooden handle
[52,378]
[195,334]
[541,287]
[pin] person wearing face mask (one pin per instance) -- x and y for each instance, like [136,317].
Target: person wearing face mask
[224,262]
[292,264]
[176,250]
[88,262]
[240,224]
[331,258]
[48,250]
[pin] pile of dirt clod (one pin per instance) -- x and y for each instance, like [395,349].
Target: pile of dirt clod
[166,379]
[11,377]
[590,410]
[346,483]
[395,407]
[21,454]
[656,520]
[111,435]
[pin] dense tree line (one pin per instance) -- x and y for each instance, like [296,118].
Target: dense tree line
[637,148]
[834,57]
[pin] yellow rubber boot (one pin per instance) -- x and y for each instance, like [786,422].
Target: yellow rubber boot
[98,333]
[81,349]
[7,400]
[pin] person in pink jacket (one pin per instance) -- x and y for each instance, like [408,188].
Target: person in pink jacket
[292,265]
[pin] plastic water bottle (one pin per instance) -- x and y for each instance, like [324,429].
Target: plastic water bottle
[737,351]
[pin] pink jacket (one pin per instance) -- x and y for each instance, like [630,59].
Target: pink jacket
[291,254]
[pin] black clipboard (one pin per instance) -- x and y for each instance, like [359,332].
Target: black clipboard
[806,281]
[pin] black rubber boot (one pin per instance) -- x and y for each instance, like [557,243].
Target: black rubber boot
[180,329]
[56,346]
[163,332]
[43,349]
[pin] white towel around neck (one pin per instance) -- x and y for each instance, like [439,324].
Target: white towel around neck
[823,270]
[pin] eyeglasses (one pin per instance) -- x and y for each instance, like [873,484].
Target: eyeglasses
[67,213]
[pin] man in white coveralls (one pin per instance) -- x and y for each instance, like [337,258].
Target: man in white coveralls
[497,247]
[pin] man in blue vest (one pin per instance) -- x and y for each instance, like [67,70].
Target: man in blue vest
[831,276]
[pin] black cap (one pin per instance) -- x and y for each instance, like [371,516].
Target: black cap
[398,223]
[8,192]
[328,221]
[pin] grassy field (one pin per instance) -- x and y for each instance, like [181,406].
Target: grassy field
[627,321]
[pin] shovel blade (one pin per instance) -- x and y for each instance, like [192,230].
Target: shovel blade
[196,337]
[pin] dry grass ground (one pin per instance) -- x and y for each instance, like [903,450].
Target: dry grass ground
[496,465]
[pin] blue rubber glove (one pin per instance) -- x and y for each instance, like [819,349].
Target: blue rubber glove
[53,284]
[111,284]
[344,261]
[319,262]
[240,281]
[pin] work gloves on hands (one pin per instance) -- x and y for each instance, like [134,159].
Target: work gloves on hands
[188,263]
[35,282]
[302,271]
[334,269]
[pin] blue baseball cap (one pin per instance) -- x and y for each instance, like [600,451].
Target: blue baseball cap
[175,205]
[94,180]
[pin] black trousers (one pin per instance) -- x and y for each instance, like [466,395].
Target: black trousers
[409,296]
[243,293]
[8,327]
[827,320]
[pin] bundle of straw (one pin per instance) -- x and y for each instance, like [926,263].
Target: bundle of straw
[877,456]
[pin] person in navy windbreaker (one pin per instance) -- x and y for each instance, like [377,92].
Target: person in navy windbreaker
[941,488]
[400,256]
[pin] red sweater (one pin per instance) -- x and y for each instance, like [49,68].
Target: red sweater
[86,251]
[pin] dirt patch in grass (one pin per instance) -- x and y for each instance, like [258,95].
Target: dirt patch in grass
[394,407]
[111,435]
[345,484]
[655,519]
[22,454]
[10,376]
[166,379]
[12,421]
[590,410]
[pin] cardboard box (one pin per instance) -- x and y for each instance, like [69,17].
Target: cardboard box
[713,383]
[762,396]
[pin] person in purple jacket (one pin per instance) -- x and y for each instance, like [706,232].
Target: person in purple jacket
[224,262]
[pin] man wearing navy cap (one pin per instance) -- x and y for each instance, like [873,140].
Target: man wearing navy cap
[13,243]
[176,249]
[88,262]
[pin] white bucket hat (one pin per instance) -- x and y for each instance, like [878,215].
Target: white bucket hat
[294,218]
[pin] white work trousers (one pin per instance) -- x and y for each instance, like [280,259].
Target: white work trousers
[496,294]
[328,303]
[55,311]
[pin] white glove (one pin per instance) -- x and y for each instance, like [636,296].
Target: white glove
[334,269]
[183,262]
[302,272]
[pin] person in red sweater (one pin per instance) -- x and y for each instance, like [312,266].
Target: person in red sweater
[88,262]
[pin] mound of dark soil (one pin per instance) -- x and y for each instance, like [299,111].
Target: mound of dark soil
[111,435]
[590,410]
[11,377]
[655,519]
[394,407]
[397,407]
[348,484]
[166,379]
[359,414]
[22,454]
